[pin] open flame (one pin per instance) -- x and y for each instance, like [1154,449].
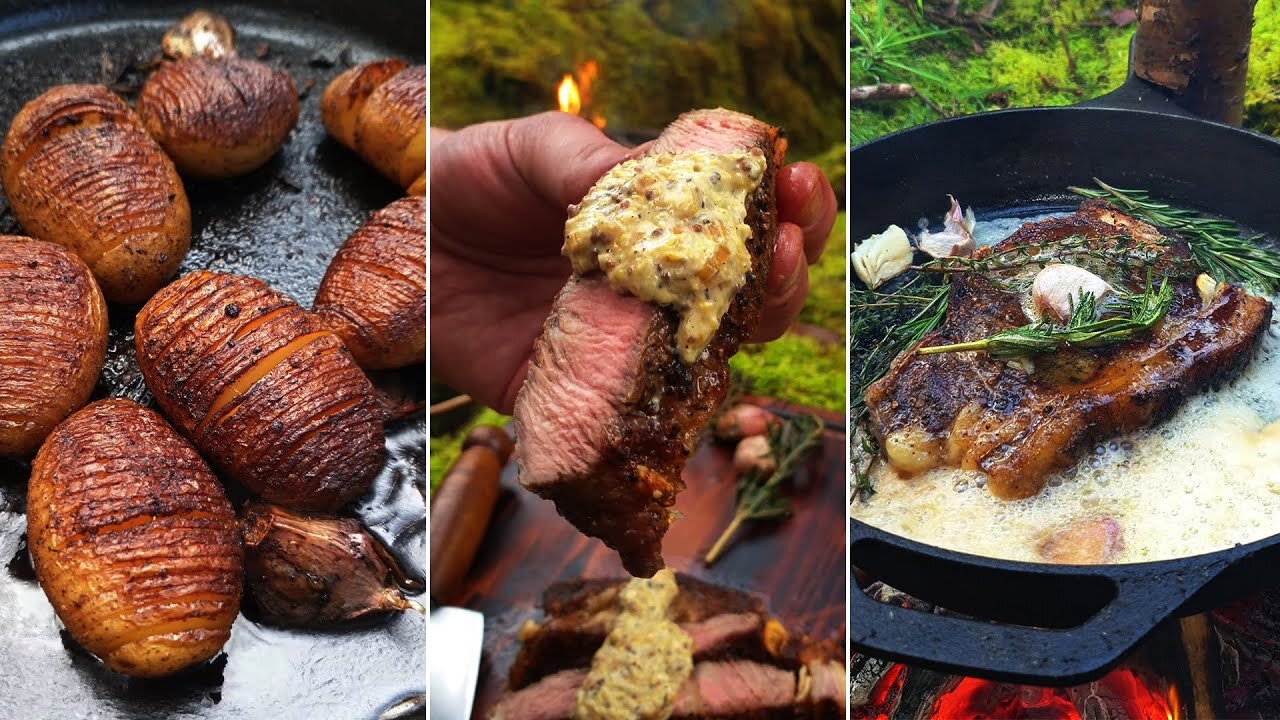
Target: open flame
[574,91]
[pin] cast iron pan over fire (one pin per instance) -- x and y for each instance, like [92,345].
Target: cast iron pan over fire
[282,223]
[1057,624]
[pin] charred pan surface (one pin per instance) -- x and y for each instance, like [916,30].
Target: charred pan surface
[133,540]
[80,170]
[53,338]
[976,412]
[218,118]
[610,455]
[374,294]
[379,110]
[270,396]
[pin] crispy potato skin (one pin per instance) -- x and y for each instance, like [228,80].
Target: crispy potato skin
[80,170]
[133,540]
[53,338]
[379,109]
[266,392]
[374,294]
[218,118]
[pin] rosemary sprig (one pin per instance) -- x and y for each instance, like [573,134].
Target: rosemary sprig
[790,442]
[883,324]
[1218,246]
[1136,314]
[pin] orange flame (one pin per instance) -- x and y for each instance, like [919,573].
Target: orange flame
[567,95]
[572,95]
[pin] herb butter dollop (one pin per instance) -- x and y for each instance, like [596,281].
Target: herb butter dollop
[670,228]
[644,660]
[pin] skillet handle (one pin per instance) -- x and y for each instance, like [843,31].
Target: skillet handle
[1138,94]
[1129,602]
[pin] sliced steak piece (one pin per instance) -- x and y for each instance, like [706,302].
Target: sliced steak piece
[739,690]
[970,410]
[723,623]
[609,413]
[824,688]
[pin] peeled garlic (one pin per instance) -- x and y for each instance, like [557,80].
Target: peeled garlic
[1209,288]
[956,238]
[1058,286]
[882,257]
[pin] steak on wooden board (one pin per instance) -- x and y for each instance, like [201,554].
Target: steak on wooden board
[746,664]
[609,413]
[970,410]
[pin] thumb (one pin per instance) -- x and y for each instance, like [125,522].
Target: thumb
[560,156]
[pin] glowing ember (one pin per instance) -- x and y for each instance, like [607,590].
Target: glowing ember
[1122,692]
[974,699]
[574,93]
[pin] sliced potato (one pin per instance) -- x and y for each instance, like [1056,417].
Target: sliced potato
[81,171]
[379,110]
[133,540]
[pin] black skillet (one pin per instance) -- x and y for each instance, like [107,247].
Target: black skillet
[283,224]
[1045,623]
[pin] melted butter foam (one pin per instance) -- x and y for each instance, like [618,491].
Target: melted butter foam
[1205,480]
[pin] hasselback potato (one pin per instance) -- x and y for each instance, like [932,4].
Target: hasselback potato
[379,109]
[133,540]
[80,170]
[374,294]
[218,118]
[53,338]
[269,395]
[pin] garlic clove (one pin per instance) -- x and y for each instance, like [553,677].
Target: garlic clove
[200,34]
[313,570]
[1208,288]
[1058,286]
[754,453]
[956,238]
[882,257]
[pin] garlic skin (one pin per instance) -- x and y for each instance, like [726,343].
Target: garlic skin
[1058,286]
[956,238]
[882,257]
[313,570]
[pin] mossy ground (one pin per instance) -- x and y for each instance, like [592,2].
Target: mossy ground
[1038,53]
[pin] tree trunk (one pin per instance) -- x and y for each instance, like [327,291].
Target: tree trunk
[1199,50]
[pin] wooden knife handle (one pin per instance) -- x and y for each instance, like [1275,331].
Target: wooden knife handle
[460,511]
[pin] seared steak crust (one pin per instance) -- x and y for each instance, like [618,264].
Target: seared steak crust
[973,411]
[610,457]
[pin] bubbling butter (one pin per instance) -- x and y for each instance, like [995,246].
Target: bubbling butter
[644,660]
[670,228]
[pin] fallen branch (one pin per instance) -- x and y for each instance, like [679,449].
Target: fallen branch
[882,91]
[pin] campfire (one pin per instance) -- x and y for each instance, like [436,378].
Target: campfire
[573,95]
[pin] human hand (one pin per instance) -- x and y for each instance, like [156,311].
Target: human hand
[499,193]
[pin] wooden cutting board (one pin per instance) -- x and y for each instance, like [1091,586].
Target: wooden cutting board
[797,565]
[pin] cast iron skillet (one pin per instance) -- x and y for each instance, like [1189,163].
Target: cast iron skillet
[283,224]
[1057,624]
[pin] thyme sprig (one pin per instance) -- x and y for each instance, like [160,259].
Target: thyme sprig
[1219,246]
[1129,315]
[883,324]
[1112,252]
[759,492]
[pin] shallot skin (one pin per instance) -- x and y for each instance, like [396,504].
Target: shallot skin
[80,170]
[53,339]
[269,395]
[309,570]
[133,540]
[379,109]
[218,118]
[374,294]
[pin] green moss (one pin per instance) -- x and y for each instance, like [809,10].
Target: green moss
[446,448]
[1262,99]
[797,369]
[779,60]
[825,306]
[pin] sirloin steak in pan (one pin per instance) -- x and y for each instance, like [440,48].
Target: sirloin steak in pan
[610,412]
[977,412]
